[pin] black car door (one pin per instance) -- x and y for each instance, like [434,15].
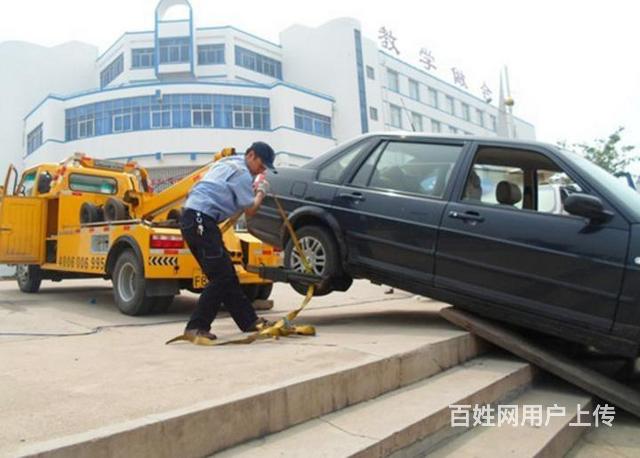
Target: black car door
[507,239]
[391,206]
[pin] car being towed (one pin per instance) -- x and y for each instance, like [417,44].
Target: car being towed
[519,231]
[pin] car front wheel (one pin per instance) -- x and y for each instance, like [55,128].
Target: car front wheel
[321,251]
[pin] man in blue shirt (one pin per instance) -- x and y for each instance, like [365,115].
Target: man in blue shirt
[225,190]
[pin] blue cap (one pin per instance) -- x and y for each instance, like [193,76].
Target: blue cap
[264,152]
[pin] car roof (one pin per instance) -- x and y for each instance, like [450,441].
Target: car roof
[479,138]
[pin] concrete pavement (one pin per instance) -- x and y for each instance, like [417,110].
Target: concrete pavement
[58,386]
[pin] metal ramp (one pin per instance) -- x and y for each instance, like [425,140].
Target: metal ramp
[556,363]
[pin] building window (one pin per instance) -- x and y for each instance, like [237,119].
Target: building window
[160,118]
[171,111]
[373,113]
[433,98]
[449,105]
[122,122]
[492,122]
[466,114]
[436,126]
[243,118]
[314,123]
[414,90]
[394,84]
[175,50]
[34,139]
[371,73]
[480,117]
[86,126]
[453,130]
[211,54]
[396,116]
[202,116]
[258,63]
[112,71]
[416,122]
[143,58]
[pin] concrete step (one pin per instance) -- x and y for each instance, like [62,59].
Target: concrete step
[210,426]
[527,440]
[394,421]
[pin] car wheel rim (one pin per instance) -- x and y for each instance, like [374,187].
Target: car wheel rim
[22,273]
[127,282]
[315,253]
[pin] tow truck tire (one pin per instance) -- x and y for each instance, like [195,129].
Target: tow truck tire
[29,278]
[129,285]
[115,210]
[89,213]
[324,257]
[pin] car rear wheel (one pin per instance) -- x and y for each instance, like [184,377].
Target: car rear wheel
[129,285]
[320,249]
[29,278]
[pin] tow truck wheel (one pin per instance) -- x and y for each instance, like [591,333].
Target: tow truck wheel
[129,285]
[322,253]
[29,278]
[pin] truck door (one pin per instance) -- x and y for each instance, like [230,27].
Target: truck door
[22,224]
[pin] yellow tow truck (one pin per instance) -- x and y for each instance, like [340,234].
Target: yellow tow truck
[87,217]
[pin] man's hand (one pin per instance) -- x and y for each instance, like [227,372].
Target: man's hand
[262,185]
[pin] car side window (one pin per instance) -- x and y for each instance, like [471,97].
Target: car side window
[332,173]
[518,179]
[416,168]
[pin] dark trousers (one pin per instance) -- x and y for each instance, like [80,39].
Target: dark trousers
[223,287]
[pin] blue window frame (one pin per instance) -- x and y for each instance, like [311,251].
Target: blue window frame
[258,63]
[211,54]
[34,139]
[143,58]
[112,71]
[175,50]
[172,111]
[311,122]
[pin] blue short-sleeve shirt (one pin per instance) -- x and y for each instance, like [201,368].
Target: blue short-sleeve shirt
[224,190]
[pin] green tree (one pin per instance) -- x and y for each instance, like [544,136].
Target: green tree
[608,153]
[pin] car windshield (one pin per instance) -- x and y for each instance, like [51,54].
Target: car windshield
[626,195]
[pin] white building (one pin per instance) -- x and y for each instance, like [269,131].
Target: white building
[169,97]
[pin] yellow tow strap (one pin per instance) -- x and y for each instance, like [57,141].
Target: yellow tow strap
[284,326]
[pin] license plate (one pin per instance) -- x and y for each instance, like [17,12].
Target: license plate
[200,281]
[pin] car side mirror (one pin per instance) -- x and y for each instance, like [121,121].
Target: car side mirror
[588,207]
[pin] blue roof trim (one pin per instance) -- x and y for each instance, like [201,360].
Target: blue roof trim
[169,21]
[419,70]
[240,31]
[118,40]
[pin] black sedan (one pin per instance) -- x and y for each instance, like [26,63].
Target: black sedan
[519,231]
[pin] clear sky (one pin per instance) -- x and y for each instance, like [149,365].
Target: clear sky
[573,65]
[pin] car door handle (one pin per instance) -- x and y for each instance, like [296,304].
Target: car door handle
[467,216]
[351,195]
